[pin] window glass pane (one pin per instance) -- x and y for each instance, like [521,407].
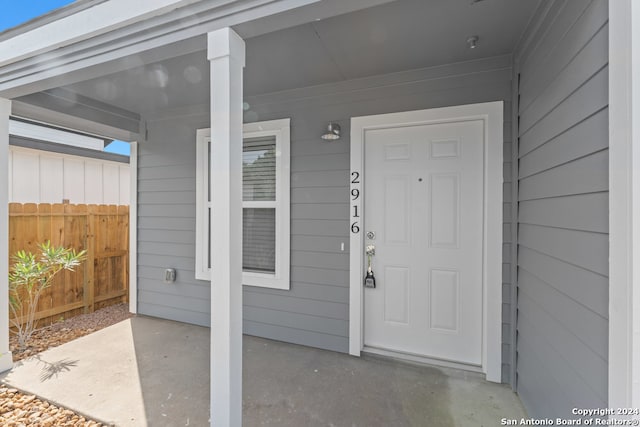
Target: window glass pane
[259,169]
[259,240]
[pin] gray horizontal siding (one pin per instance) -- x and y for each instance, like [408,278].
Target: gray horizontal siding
[569,313]
[305,322]
[585,212]
[166,310]
[319,276]
[310,291]
[583,175]
[594,287]
[156,235]
[297,305]
[576,247]
[296,336]
[324,227]
[566,31]
[581,372]
[315,311]
[167,210]
[592,132]
[166,223]
[580,69]
[563,240]
[163,172]
[165,184]
[316,194]
[318,244]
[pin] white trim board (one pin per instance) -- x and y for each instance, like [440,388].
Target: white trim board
[43,133]
[6,361]
[624,204]
[492,114]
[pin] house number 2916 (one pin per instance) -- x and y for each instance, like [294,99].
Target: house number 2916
[355,205]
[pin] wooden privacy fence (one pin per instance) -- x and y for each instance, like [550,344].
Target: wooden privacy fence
[101,230]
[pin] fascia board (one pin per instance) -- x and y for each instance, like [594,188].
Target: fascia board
[85,24]
[42,133]
[41,114]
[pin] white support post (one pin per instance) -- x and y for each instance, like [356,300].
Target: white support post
[133,227]
[6,361]
[624,204]
[226,53]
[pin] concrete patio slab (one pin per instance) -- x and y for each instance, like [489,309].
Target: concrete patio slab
[139,372]
[153,372]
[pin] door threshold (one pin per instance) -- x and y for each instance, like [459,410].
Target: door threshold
[420,360]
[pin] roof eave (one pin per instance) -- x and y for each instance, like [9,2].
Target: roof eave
[48,17]
[49,55]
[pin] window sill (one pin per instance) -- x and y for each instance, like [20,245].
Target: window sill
[259,280]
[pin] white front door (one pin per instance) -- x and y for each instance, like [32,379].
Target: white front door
[423,200]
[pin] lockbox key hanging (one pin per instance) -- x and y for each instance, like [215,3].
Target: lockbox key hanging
[370,279]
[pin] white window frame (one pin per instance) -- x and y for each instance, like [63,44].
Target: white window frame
[280,130]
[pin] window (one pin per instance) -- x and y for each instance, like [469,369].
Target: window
[265,204]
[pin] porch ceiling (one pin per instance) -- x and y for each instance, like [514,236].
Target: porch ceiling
[392,37]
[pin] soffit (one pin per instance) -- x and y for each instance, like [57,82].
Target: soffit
[393,37]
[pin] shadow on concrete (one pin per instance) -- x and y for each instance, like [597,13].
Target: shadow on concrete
[53,369]
[173,369]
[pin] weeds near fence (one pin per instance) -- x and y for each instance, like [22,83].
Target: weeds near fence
[29,278]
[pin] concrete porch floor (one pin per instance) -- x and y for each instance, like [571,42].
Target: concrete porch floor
[147,371]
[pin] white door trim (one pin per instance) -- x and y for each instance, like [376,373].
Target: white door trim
[492,115]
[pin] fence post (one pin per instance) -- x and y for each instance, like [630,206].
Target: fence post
[123,228]
[89,271]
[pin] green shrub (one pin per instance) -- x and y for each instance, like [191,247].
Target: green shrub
[28,279]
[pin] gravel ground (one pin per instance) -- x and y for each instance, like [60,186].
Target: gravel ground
[18,409]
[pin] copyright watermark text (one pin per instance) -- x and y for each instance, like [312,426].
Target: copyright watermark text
[583,417]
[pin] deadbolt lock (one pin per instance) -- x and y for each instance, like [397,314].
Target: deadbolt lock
[371,235]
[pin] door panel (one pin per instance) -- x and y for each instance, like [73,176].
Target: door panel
[397,209]
[444,301]
[423,194]
[443,207]
[396,294]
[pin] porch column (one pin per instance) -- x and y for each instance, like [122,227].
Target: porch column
[226,53]
[6,362]
[624,204]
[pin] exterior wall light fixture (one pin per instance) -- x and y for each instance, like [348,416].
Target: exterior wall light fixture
[332,133]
